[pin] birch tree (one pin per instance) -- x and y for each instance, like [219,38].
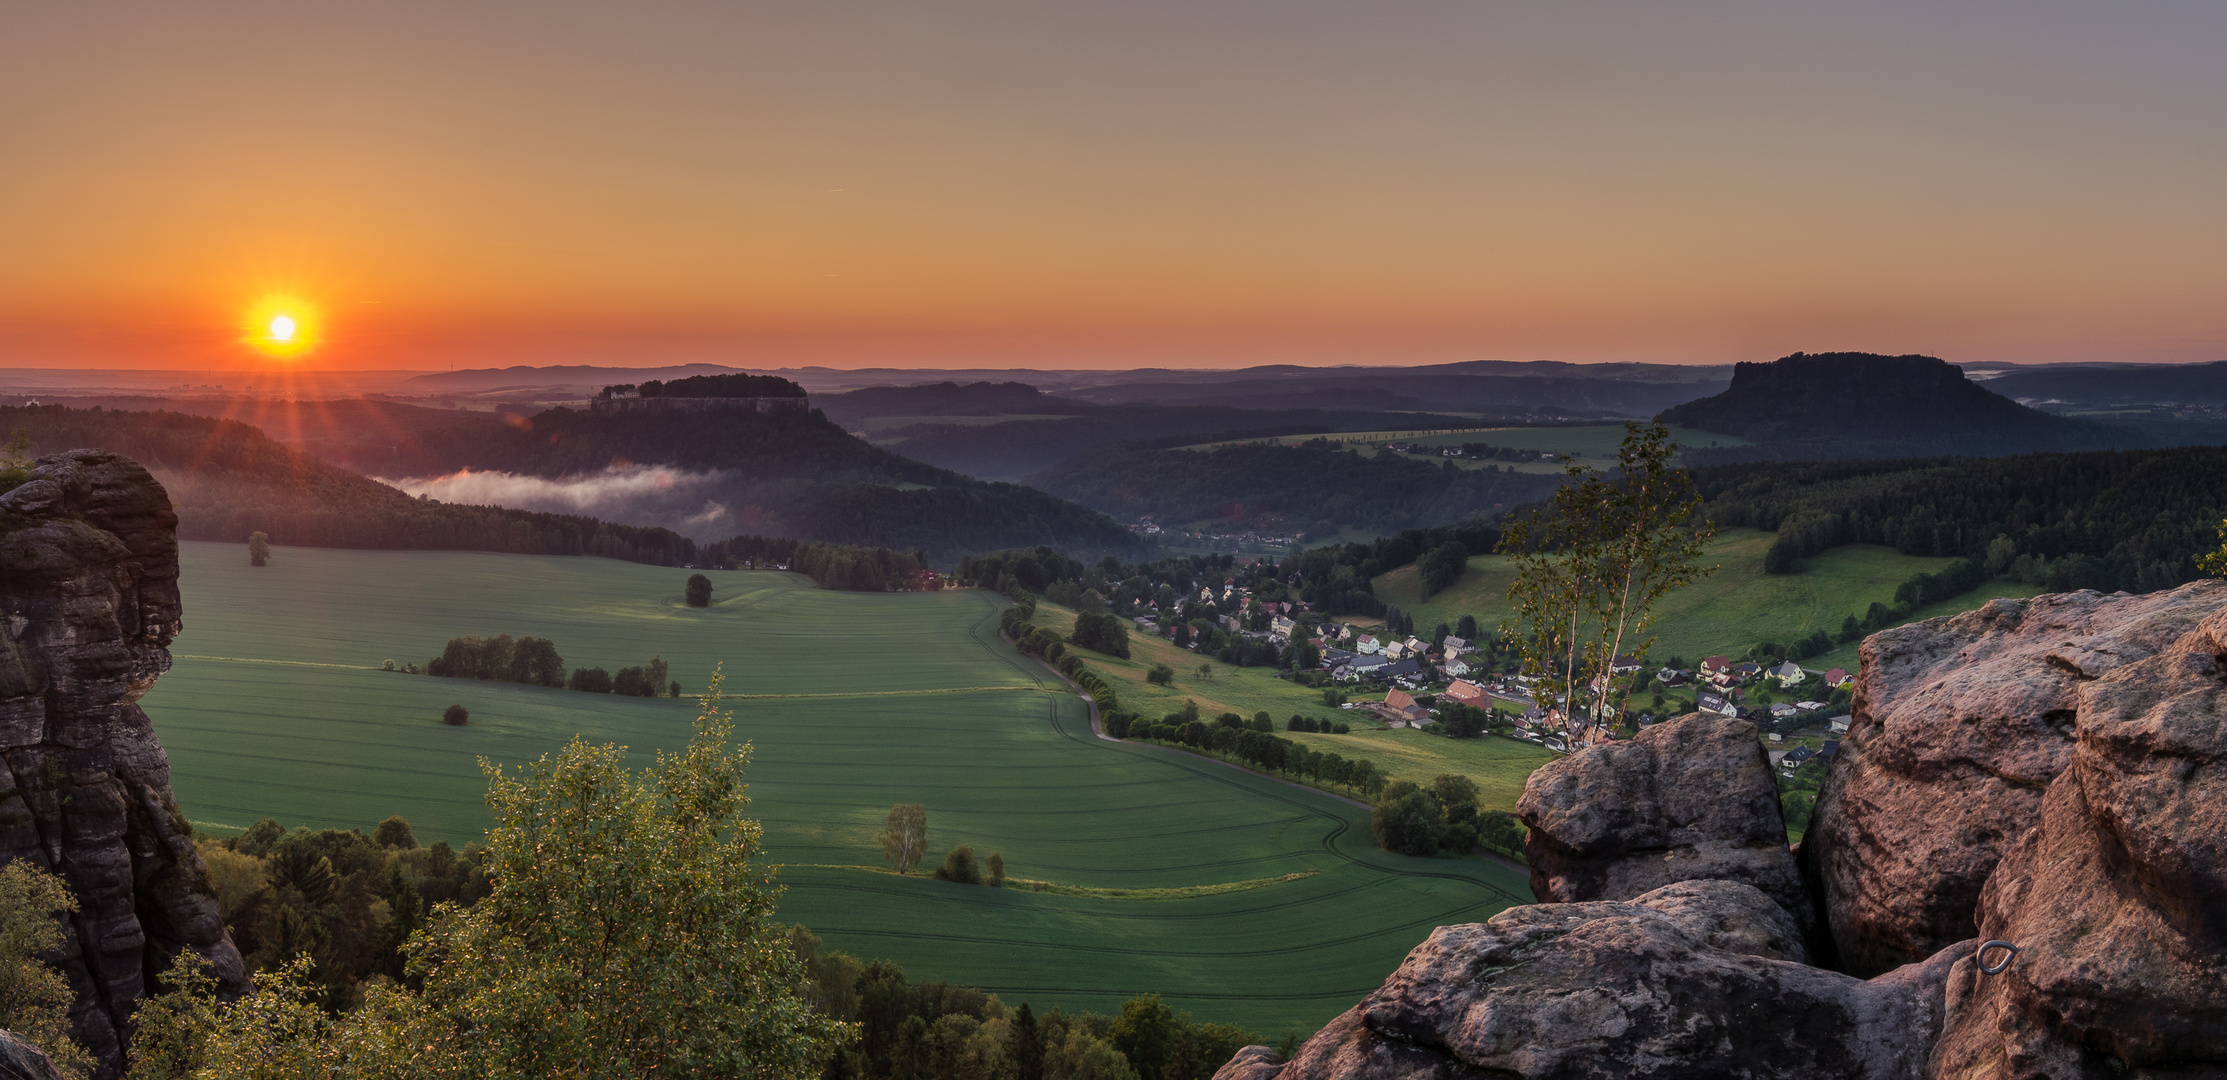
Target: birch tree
[1592,564]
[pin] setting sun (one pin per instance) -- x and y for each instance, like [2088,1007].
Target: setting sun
[281,327]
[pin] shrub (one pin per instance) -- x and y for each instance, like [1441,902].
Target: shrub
[589,680]
[1160,675]
[960,866]
[456,716]
[699,591]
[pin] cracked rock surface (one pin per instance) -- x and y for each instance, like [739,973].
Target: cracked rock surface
[88,607]
[1689,799]
[1691,980]
[1958,727]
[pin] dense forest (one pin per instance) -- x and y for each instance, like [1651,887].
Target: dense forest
[1313,487]
[2127,519]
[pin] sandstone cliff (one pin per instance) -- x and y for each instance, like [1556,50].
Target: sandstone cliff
[88,606]
[2051,773]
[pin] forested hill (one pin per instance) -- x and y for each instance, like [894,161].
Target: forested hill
[1312,487]
[228,479]
[2131,519]
[790,475]
[1837,406]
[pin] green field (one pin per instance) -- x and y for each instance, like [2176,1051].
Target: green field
[1729,610]
[1499,766]
[853,702]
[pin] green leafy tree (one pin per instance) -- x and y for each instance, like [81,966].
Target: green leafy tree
[628,933]
[34,998]
[2215,564]
[997,869]
[395,832]
[456,716]
[961,866]
[905,836]
[15,460]
[1594,561]
[699,591]
[258,548]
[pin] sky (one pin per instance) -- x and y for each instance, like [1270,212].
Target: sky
[1214,183]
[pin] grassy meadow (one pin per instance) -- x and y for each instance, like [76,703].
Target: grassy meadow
[1499,766]
[1727,611]
[1239,898]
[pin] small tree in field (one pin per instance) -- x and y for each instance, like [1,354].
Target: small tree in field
[997,869]
[258,548]
[905,836]
[699,591]
[456,716]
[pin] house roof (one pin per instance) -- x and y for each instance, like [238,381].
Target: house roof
[1836,676]
[1404,667]
[1399,699]
[1465,692]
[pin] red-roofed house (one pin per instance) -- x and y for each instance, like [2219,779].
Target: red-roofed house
[1403,703]
[1468,693]
[1838,677]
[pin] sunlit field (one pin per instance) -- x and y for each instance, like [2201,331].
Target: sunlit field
[852,702]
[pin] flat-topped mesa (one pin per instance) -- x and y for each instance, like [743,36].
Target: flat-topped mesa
[88,606]
[702,393]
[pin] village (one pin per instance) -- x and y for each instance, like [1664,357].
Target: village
[1466,685]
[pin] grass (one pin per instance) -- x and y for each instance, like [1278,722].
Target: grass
[1729,610]
[1239,898]
[1499,766]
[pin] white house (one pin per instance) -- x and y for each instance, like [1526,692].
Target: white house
[1787,673]
[1455,668]
[1455,646]
[1368,646]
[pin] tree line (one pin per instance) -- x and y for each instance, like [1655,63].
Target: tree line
[1250,741]
[1314,487]
[535,662]
[2136,520]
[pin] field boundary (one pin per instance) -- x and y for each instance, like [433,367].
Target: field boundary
[1093,892]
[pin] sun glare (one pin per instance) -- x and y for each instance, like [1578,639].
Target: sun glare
[281,327]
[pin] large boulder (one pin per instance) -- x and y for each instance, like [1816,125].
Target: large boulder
[88,607]
[1692,980]
[1689,799]
[1959,725]
[2118,900]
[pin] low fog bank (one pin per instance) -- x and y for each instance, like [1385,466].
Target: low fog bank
[702,506]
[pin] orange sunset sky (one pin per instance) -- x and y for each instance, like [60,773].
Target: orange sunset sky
[1113,184]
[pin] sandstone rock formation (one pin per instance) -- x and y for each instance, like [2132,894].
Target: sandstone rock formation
[1691,980]
[1685,800]
[20,1060]
[88,605]
[2119,898]
[1959,726]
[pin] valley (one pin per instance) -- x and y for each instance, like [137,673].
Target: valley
[853,701]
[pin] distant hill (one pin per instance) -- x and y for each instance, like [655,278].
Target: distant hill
[1830,406]
[228,479]
[706,475]
[2119,384]
[1311,487]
